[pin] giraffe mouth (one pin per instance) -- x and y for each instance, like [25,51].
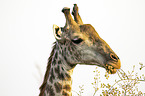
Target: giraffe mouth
[112,67]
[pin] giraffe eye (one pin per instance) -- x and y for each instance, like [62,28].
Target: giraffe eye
[77,40]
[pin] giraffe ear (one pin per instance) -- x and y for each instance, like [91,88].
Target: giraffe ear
[57,32]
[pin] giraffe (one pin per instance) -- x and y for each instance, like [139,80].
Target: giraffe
[76,43]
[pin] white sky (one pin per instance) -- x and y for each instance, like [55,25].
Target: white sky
[26,39]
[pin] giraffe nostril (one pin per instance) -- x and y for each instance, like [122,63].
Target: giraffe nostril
[114,57]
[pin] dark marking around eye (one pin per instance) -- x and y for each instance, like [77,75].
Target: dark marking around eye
[77,41]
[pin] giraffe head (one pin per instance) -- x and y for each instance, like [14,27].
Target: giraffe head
[81,44]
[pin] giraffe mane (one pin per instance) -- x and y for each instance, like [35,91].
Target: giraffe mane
[43,86]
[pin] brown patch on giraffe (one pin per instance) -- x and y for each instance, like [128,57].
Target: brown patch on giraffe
[56,55]
[65,49]
[68,77]
[59,62]
[52,76]
[61,76]
[72,65]
[57,70]
[65,58]
[53,62]
[58,87]
[65,93]
[50,90]
[62,68]
[67,87]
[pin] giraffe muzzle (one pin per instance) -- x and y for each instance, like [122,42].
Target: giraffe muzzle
[112,66]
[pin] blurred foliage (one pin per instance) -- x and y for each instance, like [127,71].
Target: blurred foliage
[126,85]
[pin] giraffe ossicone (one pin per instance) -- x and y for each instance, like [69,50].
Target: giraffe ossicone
[76,43]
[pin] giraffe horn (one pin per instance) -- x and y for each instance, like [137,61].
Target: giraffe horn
[76,15]
[69,19]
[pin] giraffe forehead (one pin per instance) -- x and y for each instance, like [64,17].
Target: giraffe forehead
[85,31]
[79,35]
[86,36]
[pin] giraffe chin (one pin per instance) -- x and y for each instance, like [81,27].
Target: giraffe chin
[111,71]
[112,67]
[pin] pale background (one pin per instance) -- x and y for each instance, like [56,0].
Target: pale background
[26,39]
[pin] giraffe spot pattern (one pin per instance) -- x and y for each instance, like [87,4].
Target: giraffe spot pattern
[67,87]
[68,77]
[50,90]
[57,70]
[61,76]
[56,55]
[59,62]
[58,87]
[65,93]
[52,77]
[54,62]
[65,49]
[62,68]
[65,58]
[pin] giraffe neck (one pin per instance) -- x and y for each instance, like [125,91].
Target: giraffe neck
[59,81]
